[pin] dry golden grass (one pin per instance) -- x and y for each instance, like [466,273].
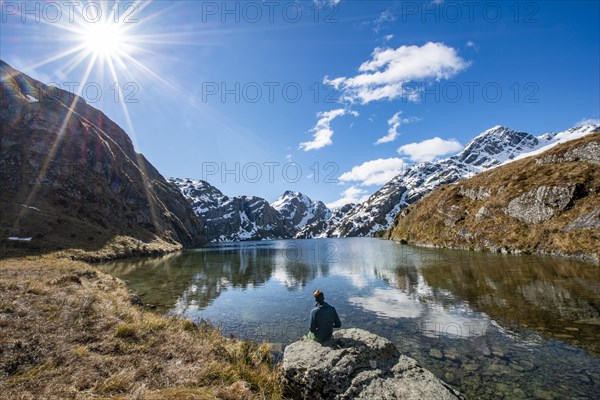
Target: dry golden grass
[69,331]
[108,248]
[446,218]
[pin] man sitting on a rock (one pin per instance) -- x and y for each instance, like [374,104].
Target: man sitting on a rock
[323,318]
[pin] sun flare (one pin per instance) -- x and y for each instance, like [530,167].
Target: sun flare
[104,39]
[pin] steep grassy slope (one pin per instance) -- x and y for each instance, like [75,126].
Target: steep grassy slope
[70,178]
[68,331]
[549,203]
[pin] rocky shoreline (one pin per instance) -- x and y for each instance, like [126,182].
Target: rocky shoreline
[357,364]
[586,257]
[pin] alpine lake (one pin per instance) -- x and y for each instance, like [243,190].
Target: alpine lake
[494,326]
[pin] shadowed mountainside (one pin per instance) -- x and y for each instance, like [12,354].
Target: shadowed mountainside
[71,179]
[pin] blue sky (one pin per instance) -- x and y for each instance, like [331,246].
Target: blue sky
[330,98]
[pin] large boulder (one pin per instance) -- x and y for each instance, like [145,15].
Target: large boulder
[540,204]
[357,364]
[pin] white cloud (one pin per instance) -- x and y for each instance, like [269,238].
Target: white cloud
[374,172]
[288,157]
[330,2]
[588,121]
[383,19]
[385,74]
[429,149]
[390,303]
[351,195]
[388,37]
[472,45]
[395,122]
[322,130]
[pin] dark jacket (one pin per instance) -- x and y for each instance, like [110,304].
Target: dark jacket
[323,318]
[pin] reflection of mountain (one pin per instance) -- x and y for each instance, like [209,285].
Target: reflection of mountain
[198,277]
[158,281]
[557,298]
[443,292]
[194,279]
[295,275]
[218,270]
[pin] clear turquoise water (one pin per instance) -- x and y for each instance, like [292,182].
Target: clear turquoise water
[494,326]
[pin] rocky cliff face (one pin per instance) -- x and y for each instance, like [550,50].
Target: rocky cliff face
[300,210]
[71,178]
[321,228]
[547,203]
[358,365]
[237,218]
[229,219]
[494,147]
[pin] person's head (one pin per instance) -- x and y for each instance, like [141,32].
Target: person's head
[319,296]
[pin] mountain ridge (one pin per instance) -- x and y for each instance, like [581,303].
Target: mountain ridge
[72,179]
[494,147]
[547,203]
[295,215]
[249,217]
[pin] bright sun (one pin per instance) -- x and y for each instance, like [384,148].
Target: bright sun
[104,39]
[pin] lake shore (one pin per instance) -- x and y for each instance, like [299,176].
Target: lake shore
[68,330]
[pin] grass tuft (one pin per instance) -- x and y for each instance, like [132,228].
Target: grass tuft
[126,331]
[189,326]
[80,337]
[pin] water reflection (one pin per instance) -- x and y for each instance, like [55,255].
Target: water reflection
[389,303]
[475,319]
[557,298]
[447,291]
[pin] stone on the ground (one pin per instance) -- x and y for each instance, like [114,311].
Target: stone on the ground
[357,364]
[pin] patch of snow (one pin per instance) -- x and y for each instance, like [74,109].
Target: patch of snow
[30,207]
[553,140]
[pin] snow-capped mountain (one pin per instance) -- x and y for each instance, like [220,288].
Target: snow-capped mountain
[300,210]
[554,139]
[232,218]
[296,215]
[228,219]
[320,228]
[496,146]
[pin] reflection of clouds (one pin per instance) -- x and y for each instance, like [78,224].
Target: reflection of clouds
[359,275]
[459,322]
[358,281]
[282,276]
[296,275]
[389,303]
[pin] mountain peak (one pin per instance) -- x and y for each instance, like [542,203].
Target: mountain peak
[496,145]
[290,196]
[491,148]
[249,217]
[290,193]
